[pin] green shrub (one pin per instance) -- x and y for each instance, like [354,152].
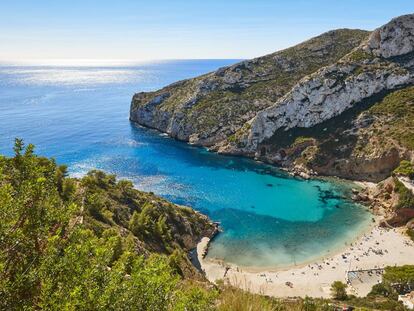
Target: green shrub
[360,55]
[302,139]
[338,290]
[405,196]
[406,168]
[397,111]
[65,243]
[401,278]
[382,289]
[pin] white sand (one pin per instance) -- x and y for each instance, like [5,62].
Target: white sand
[376,249]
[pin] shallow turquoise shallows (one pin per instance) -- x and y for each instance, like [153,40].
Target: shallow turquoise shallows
[79,115]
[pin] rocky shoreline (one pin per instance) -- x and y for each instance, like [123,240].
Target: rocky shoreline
[371,195]
[338,105]
[379,246]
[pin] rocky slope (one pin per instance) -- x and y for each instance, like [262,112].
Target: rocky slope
[155,224]
[148,222]
[208,109]
[339,104]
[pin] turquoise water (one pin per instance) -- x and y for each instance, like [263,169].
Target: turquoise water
[79,115]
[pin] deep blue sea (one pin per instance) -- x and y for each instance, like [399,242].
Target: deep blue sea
[79,115]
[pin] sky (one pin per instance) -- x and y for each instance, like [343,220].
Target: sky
[169,29]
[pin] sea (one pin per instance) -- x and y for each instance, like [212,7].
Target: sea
[78,114]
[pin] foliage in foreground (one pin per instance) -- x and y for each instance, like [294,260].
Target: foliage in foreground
[62,245]
[95,244]
[231,298]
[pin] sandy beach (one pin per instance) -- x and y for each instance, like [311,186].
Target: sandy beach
[376,249]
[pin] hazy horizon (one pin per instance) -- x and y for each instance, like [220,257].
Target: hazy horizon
[137,31]
[100,62]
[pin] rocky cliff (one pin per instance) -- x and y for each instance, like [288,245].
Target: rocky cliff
[338,104]
[208,109]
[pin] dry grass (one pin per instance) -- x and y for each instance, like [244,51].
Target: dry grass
[232,298]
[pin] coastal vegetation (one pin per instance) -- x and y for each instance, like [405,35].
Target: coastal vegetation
[396,118]
[340,104]
[395,281]
[231,298]
[65,243]
[338,290]
[406,168]
[405,196]
[215,106]
[401,279]
[96,243]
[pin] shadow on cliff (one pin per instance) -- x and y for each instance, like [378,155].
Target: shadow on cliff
[335,139]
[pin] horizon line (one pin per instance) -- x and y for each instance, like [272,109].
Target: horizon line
[99,61]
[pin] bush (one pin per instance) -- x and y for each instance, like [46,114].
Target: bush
[382,289]
[405,196]
[64,243]
[401,278]
[360,55]
[406,168]
[338,290]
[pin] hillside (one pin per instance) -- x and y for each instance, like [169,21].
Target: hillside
[319,107]
[96,243]
[93,243]
[208,109]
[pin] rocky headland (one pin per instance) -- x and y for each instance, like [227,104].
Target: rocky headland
[339,104]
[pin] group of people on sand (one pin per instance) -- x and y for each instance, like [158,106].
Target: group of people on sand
[371,244]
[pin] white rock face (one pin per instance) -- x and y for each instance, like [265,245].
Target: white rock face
[318,99]
[334,89]
[393,39]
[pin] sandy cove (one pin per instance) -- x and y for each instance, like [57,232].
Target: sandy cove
[378,248]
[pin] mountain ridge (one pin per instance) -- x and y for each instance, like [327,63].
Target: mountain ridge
[230,82]
[241,109]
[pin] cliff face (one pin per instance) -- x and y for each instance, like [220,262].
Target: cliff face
[370,69]
[208,109]
[314,106]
